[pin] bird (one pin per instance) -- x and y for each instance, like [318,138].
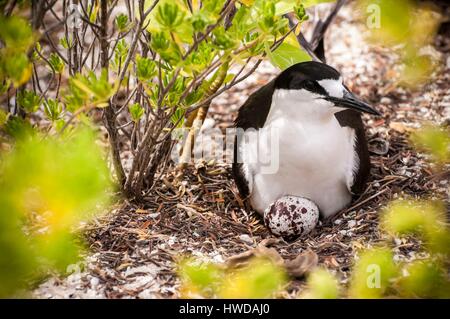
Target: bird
[321,153]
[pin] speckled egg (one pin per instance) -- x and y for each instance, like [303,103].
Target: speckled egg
[291,216]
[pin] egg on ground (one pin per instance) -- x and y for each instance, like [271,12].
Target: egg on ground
[291,216]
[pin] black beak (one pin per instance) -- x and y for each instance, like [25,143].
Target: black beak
[351,102]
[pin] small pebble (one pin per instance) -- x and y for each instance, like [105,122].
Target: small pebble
[246,239]
[351,223]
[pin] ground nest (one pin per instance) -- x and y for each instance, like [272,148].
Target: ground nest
[136,246]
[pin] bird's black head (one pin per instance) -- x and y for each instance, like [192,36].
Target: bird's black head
[320,81]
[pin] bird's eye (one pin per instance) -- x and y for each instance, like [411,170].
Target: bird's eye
[309,85]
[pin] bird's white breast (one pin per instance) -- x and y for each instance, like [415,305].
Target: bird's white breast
[316,156]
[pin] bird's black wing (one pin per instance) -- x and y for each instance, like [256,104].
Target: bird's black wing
[352,119]
[252,114]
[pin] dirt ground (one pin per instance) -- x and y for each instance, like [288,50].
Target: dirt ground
[135,248]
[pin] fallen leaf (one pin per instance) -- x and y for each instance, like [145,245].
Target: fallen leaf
[297,267]
[302,264]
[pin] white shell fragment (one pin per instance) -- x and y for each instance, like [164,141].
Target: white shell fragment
[291,216]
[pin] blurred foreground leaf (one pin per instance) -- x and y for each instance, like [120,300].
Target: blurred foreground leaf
[199,279]
[372,274]
[321,285]
[434,140]
[424,218]
[17,39]
[261,278]
[425,279]
[48,187]
[407,27]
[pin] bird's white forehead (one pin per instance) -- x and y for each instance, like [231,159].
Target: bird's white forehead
[333,87]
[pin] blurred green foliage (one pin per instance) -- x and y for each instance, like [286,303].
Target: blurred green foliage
[261,278]
[425,279]
[321,285]
[424,218]
[120,53]
[372,273]
[3,117]
[48,186]
[28,100]
[17,38]
[435,141]
[288,54]
[199,279]
[406,26]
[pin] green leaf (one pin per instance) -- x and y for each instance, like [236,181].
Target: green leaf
[3,117]
[310,3]
[15,65]
[423,218]
[90,89]
[28,100]
[16,33]
[286,6]
[18,127]
[94,12]
[56,63]
[160,41]
[120,53]
[169,15]
[287,55]
[178,117]
[4,85]
[300,13]
[196,278]
[53,109]
[136,112]
[145,68]
[122,23]
[223,40]
[260,279]
[65,43]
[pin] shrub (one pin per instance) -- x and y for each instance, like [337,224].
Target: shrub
[151,67]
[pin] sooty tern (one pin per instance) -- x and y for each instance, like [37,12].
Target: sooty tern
[322,150]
